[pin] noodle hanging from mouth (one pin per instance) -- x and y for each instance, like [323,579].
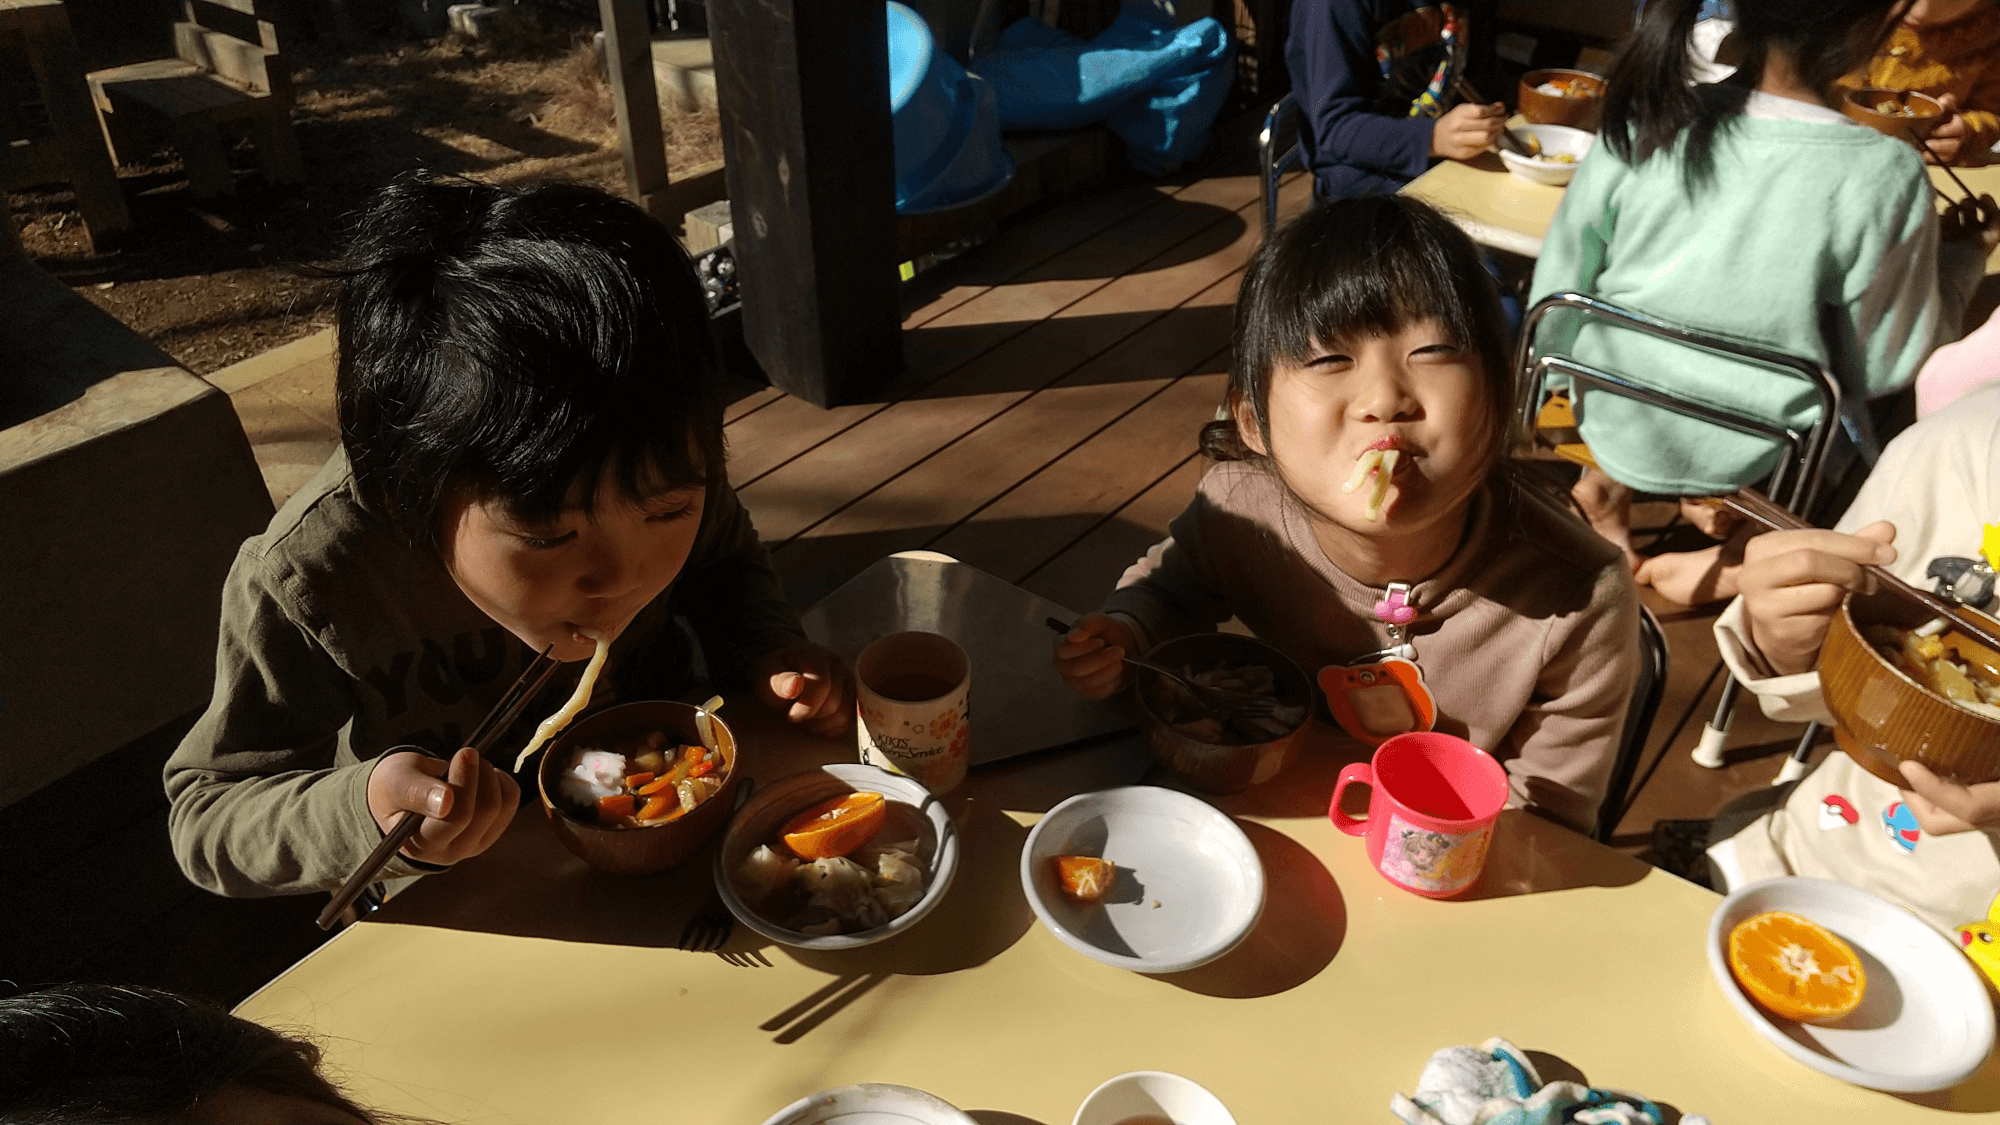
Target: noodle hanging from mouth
[1381,462]
[554,724]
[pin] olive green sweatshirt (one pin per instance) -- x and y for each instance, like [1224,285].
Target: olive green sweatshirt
[341,640]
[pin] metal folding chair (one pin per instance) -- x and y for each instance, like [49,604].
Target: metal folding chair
[1793,484]
[1278,153]
[1638,725]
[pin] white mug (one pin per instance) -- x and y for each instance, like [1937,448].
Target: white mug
[914,705]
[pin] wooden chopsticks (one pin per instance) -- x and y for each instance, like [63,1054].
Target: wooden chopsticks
[527,687]
[1926,146]
[1760,509]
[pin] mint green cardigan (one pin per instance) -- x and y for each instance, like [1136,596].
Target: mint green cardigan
[1813,239]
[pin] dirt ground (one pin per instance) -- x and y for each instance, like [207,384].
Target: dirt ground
[212,282]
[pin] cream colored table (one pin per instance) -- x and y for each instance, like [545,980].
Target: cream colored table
[522,987]
[1506,212]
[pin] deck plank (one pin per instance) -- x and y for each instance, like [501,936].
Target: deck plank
[1084,572]
[796,497]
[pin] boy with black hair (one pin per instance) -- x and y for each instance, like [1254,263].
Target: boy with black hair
[531,453]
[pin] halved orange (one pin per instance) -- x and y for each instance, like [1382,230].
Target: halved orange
[1794,968]
[1084,878]
[837,827]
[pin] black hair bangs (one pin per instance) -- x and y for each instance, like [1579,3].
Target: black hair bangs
[1365,266]
[521,344]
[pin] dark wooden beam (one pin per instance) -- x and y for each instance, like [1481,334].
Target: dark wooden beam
[803,87]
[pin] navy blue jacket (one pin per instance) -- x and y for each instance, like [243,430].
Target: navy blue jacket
[1352,141]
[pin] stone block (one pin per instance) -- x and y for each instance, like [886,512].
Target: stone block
[126,485]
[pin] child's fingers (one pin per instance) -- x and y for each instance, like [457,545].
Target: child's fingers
[499,797]
[1074,646]
[1093,663]
[808,695]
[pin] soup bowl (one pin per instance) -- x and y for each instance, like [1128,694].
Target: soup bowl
[655,847]
[1580,110]
[1883,717]
[1222,767]
[1911,110]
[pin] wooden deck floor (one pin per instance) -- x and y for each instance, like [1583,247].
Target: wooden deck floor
[1043,430]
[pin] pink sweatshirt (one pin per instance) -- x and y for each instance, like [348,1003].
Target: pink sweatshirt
[1528,636]
[1958,369]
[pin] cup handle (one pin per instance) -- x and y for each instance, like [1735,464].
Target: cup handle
[1359,773]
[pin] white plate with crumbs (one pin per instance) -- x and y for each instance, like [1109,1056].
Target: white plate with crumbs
[870,1103]
[1924,1023]
[1188,889]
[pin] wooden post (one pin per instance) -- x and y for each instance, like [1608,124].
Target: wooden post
[628,55]
[803,86]
[76,152]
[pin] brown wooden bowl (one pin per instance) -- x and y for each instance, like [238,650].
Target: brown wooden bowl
[638,851]
[1222,767]
[1548,109]
[1925,111]
[1883,717]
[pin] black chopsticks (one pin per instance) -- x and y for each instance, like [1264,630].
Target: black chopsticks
[530,684]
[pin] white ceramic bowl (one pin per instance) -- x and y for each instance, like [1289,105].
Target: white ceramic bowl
[1925,1022]
[871,1103]
[1557,140]
[1189,884]
[1152,1093]
[760,820]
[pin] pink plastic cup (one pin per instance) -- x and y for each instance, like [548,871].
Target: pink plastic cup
[1431,807]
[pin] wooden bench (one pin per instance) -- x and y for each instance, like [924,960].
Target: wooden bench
[227,79]
[47,134]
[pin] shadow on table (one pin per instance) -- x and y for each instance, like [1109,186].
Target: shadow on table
[999,1117]
[1303,925]
[1977,1094]
[1530,855]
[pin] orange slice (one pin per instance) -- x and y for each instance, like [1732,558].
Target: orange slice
[1084,878]
[836,827]
[1794,968]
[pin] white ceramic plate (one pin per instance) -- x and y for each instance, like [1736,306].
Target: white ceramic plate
[1152,1093]
[1189,884]
[1557,140]
[1925,1022]
[871,1103]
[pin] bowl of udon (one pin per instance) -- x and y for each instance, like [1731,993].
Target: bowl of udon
[1900,689]
[1217,751]
[1559,96]
[632,789]
[838,857]
[1893,112]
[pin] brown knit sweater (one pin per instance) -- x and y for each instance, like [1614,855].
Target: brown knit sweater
[1528,636]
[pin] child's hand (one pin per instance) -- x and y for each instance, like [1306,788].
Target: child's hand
[1943,807]
[1972,219]
[1091,656]
[466,803]
[809,684]
[1947,137]
[1792,582]
[1467,129]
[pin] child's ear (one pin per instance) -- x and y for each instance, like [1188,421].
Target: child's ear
[1247,430]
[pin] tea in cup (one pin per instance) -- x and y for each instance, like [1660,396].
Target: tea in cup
[1433,800]
[913,698]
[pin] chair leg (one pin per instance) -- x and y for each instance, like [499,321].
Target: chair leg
[1715,736]
[199,142]
[1795,766]
[278,149]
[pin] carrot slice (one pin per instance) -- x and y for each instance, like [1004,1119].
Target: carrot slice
[611,809]
[655,787]
[635,780]
[657,807]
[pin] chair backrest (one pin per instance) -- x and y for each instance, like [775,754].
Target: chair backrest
[236,41]
[1795,481]
[1638,724]
[1278,153]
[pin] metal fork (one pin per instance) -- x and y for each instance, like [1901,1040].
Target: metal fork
[711,927]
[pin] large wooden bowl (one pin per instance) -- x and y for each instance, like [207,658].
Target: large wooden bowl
[1223,767]
[1549,109]
[1883,717]
[638,851]
[1924,112]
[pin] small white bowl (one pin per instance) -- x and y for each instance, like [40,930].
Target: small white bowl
[1925,1022]
[1556,140]
[759,822]
[870,1103]
[1189,885]
[1152,1093]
